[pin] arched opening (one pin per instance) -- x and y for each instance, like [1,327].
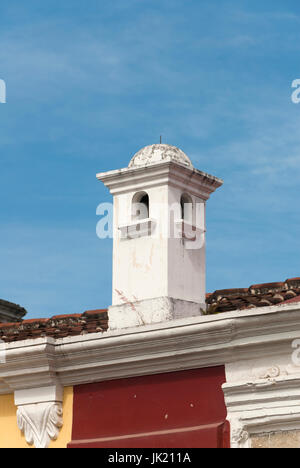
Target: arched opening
[186,204]
[140,206]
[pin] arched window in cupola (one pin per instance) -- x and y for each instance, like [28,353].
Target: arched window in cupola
[140,206]
[186,204]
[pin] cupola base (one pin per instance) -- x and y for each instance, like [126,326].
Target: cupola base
[150,311]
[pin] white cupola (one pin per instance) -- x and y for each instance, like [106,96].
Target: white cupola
[159,237]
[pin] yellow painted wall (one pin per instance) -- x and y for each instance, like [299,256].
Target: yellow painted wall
[10,434]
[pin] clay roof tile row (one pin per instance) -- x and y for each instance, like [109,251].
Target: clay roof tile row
[257,295]
[58,326]
[96,321]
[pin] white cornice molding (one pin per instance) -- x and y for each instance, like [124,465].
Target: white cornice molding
[262,389]
[247,424]
[262,383]
[182,344]
[128,179]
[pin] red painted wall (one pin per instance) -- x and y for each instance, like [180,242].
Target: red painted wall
[175,410]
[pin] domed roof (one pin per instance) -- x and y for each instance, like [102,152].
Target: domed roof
[155,154]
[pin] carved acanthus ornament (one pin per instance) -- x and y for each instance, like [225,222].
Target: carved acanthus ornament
[39,414]
[40,423]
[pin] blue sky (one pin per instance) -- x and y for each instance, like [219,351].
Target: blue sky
[90,83]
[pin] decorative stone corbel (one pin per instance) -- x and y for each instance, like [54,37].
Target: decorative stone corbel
[39,414]
[240,437]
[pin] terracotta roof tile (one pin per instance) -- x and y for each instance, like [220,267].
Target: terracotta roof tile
[96,321]
[295,299]
[258,295]
[59,326]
